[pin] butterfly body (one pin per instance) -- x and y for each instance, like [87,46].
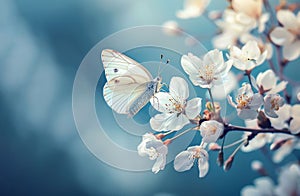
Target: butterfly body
[129,85]
[152,87]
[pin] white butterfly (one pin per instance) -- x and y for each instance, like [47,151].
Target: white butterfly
[129,85]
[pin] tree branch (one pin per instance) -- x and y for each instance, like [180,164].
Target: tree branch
[228,128]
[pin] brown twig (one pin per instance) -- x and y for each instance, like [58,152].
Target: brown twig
[228,128]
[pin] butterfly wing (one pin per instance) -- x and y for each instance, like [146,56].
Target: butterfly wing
[126,80]
[121,97]
[117,64]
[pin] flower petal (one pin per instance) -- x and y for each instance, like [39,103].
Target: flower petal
[203,165]
[257,101]
[281,36]
[249,191]
[193,108]
[183,161]
[295,126]
[291,51]
[166,121]
[251,8]
[228,84]
[283,115]
[162,102]
[278,88]
[179,89]
[262,58]
[287,19]
[265,186]
[251,50]
[272,102]
[262,22]
[247,114]
[159,164]
[223,40]
[214,57]
[295,111]
[188,64]
[266,79]
[282,152]
[142,149]
[229,99]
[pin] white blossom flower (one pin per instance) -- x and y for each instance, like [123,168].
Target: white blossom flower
[262,20]
[240,19]
[185,160]
[288,184]
[295,122]
[263,45]
[289,181]
[253,9]
[247,103]
[284,114]
[233,25]
[248,57]
[298,96]
[267,81]
[288,35]
[207,71]
[289,143]
[211,131]
[263,186]
[192,9]
[230,82]
[155,149]
[259,140]
[176,110]
[272,103]
[172,28]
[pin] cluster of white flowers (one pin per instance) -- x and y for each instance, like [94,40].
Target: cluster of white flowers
[249,33]
[238,21]
[176,112]
[288,183]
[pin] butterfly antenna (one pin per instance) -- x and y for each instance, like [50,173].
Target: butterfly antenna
[166,63]
[158,71]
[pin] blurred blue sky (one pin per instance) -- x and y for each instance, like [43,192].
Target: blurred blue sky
[42,43]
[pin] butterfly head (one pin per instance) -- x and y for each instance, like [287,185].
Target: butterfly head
[158,81]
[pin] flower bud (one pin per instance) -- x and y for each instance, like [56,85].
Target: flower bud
[220,159]
[160,136]
[258,167]
[214,146]
[277,144]
[167,141]
[228,163]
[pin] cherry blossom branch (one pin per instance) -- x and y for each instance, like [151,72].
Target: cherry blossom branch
[281,65]
[283,77]
[270,10]
[228,128]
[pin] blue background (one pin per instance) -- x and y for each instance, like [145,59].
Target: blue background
[41,46]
